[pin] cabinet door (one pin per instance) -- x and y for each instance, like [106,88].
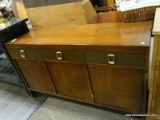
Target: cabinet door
[70,79]
[35,74]
[120,88]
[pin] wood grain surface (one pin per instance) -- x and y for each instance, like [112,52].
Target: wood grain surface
[89,11]
[65,14]
[154,84]
[118,87]
[37,77]
[112,16]
[109,34]
[70,79]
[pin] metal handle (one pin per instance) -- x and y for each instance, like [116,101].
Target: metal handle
[111,59]
[59,55]
[22,53]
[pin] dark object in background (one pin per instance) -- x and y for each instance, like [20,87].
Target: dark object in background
[39,3]
[8,72]
[102,3]
[8,14]
[2,9]
[34,3]
[99,3]
[105,9]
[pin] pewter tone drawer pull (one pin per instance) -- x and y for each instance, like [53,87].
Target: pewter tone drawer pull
[111,59]
[22,53]
[59,55]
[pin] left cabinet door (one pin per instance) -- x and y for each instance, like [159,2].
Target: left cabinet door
[36,75]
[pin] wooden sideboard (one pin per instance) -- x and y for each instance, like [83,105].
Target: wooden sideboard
[101,64]
[154,89]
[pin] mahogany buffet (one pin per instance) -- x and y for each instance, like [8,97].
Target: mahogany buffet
[100,64]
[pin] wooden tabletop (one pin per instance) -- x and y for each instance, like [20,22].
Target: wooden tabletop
[108,34]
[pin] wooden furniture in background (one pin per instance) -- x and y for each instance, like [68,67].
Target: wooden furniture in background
[112,16]
[76,13]
[20,10]
[154,84]
[110,2]
[101,64]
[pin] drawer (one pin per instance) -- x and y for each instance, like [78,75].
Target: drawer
[126,59]
[76,56]
[25,53]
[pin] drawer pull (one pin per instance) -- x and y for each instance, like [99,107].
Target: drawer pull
[22,53]
[111,59]
[59,55]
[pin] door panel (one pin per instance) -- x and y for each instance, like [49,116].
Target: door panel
[118,87]
[36,75]
[70,79]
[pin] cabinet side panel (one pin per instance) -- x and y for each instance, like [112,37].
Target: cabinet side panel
[152,81]
[157,89]
[156,94]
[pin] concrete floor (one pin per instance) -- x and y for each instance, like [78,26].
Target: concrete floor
[59,109]
[15,104]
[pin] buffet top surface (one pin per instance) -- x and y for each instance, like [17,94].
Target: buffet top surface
[109,34]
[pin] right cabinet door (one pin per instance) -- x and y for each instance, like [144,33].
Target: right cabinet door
[118,87]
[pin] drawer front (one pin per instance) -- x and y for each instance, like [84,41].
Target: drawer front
[76,56]
[25,53]
[127,59]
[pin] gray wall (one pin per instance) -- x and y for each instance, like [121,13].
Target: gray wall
[38,3]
